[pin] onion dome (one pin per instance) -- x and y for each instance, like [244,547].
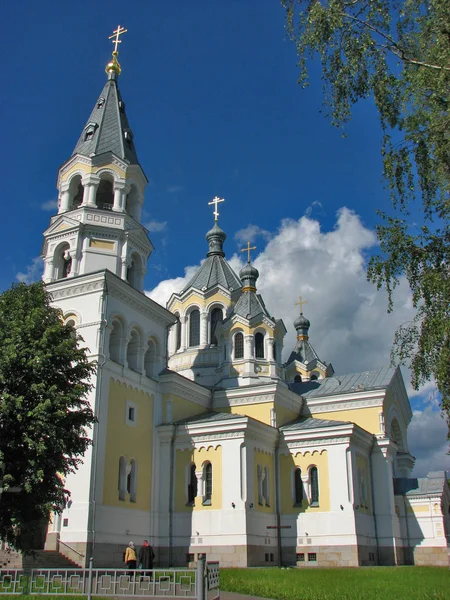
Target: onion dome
[302,325]
[216,238]
[248,275]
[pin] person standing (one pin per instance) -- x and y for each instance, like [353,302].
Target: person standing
[146,556]
[130,557]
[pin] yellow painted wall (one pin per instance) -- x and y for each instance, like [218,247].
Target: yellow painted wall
[195,298]
[367,418]
[183,460]
[260,412]
[284,415]
[129,441]
[249,330]
[362,471]
[181,408]
[304,462]
[78,166]
[102,244]
[264,459]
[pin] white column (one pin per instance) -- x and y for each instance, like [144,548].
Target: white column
[49,273]
[120,191]
[141,358]
[203,328]
[90,184]
[183,324]
[270,348]
[65,198]
[248,346]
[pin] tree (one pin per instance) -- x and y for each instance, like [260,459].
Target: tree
[44,414]
[398,53]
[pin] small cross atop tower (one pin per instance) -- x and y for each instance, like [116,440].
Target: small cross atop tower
[118,32]
[216,201]
[300,303]
[248,249]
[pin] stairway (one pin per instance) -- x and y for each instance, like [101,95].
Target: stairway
[40,559]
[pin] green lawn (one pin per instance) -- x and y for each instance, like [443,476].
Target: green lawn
[367,583]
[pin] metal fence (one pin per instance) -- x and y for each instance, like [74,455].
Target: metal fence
[157,583]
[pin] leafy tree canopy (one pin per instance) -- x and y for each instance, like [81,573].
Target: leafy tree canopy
[398,53]
[44,414]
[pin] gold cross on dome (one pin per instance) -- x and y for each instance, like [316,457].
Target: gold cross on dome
[118,32]
[216,201]
[248,250]
[300,303]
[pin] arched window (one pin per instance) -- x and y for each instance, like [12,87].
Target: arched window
[216,318]
[275,349]
[192,486]
[194,328]
[150,359]
[265,486]
[105,195]
[314,377]
[314,475]
[239,345]
[207,476]
[259,345]
[76,191]
[298,379]
[133,351]
[260,484]
[115,342]
[122,484]
[298,488]
[132,480]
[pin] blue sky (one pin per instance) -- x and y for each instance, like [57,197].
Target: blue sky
[211,94]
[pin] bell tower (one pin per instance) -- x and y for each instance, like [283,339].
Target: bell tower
[101,193]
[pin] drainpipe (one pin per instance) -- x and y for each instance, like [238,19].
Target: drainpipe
[277,499]
[101,364]
[171,490]
[373,509]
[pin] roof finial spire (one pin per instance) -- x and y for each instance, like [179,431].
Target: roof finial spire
[113,66]
[216,201]
[300,303]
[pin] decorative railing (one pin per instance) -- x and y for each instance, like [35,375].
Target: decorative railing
[157,583]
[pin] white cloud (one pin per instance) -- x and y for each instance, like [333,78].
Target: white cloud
[50,205]
[155,226]
[349,324]
[427,441]
[314,205]
[250,233]
[32,272]
[173,189]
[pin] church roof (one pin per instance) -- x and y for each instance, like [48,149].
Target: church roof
[210,417]
[303,353]
[250,305]
[433,483]
[305,423]
[109,127]
[213,272]
[344,384]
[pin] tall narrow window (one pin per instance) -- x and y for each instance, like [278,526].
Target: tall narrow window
[314,486]
[259,345]
[207,474]
[178,334]
[216,318]
[266,487]
[194,328]
[260,484]
[298,487]
[133,480]
[122,484]
[239,345]
[192,486]
[275,351]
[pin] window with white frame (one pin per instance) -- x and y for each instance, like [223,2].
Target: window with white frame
[131,413]
[194,328]
[215,319]
[208,483]
[239,345]
[259,345]
[314,478]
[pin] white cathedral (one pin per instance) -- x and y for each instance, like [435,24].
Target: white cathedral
[206,441]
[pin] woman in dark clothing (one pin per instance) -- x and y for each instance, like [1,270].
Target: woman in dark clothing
[146,556]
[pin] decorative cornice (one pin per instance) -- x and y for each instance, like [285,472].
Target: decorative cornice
[173,383]
[344,402]
[317,443]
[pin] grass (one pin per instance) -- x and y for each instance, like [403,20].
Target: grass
[367,583]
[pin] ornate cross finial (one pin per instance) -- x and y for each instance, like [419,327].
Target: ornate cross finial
[118,32]
[248,250]
[300,303]
[216,201]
